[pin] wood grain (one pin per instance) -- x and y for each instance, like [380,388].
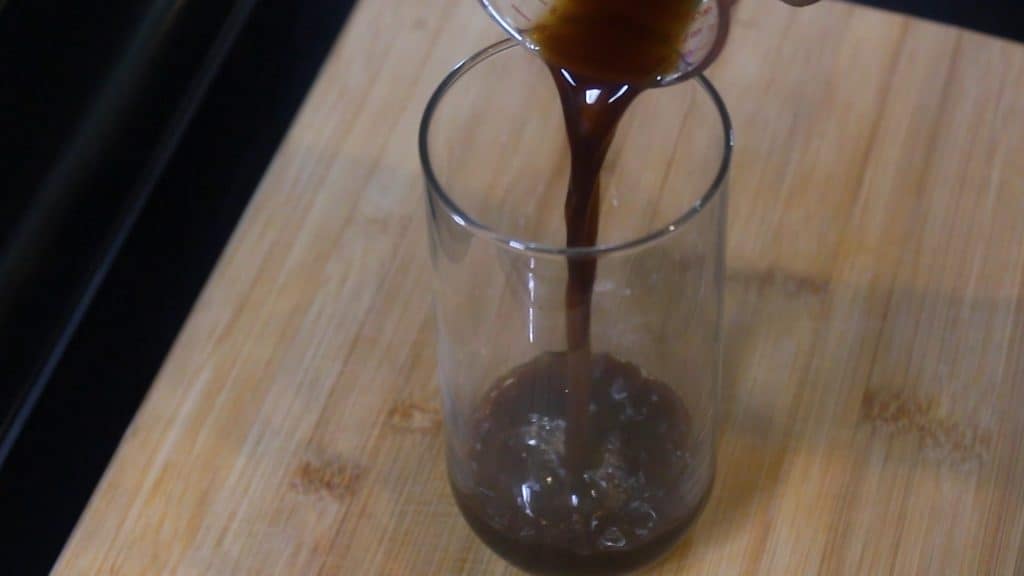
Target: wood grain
[875,334]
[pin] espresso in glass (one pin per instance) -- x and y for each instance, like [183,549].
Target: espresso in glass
[577,455]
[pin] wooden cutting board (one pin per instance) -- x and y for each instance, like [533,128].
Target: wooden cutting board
[874,391]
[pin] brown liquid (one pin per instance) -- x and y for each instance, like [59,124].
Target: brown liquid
[602,54]
[591,128]
[623,512]
[578,459]
[615,41]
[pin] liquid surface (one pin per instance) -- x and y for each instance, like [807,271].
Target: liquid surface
[631,501]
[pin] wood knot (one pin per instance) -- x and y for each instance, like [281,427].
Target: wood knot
[414,417]
[332,476]
[941,435]
[778,281]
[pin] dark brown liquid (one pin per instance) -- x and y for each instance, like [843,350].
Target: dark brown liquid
[625,510]
[615,41]
[591,128]
[579,459]
[602,54]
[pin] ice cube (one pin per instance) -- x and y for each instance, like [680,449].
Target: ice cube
[611,483]
[612,539]
[542,445]
[640,517]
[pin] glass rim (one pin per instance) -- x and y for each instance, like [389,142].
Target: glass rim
[465,220]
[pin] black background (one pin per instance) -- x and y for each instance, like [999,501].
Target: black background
[1001,17]
[142,216]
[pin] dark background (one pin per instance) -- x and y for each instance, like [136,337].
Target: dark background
[1000,17]
[132,135]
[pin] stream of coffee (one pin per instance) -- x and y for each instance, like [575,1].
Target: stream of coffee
[590,449]
[602,54]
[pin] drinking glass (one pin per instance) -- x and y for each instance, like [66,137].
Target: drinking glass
[496,164]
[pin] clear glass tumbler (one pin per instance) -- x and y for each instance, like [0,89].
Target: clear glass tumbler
[554,479]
